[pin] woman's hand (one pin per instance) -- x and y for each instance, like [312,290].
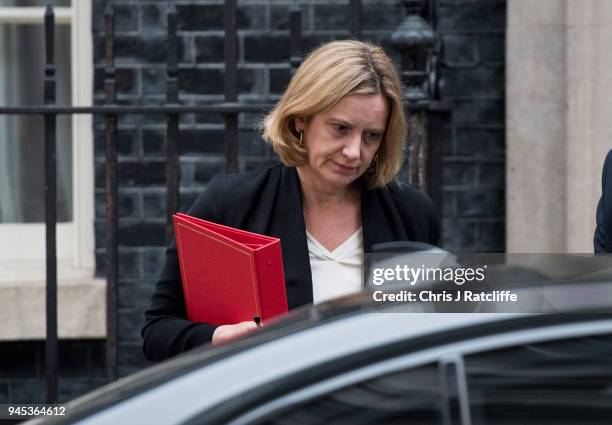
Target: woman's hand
[226,333]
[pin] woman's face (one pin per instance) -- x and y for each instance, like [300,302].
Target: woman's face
[341,143]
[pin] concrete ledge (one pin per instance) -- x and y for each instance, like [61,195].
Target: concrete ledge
[81,309]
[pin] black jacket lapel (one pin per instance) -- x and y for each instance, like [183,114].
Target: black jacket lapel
[287,223]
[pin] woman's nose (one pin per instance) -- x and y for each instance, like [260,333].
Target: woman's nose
[352,148]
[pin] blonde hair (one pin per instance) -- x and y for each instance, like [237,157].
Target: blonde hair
[328,74]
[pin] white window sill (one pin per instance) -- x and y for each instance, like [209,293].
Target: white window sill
[81,308]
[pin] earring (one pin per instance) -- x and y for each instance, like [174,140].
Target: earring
[301,138]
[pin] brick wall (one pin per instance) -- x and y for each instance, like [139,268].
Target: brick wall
[474,162]
[473,35]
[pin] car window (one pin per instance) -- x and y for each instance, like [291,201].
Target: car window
[561,382]
[411,396]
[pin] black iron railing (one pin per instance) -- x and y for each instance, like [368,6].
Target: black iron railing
[417,75]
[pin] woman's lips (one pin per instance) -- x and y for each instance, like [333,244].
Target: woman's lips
[345,169]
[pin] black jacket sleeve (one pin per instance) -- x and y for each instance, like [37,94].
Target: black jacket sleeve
[166,331]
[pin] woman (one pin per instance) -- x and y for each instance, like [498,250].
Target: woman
[339,130]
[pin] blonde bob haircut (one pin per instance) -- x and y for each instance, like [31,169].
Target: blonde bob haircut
[328,74]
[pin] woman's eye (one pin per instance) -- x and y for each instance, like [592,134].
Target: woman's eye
[372,136]
[340,128]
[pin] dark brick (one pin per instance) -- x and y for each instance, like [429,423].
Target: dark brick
[18,360]
[70,388]
[209,118]
[380,16]
[27,390]
[131,358]
[485,81]
[130,264]
[457,233]
[266,48]
[480,203]
[492,48]
[449,203]
[492,112]
[154,142]
[209,49]
[129,205]
[279,79]
[129,261]
[201,81]
[154,205]
[465,112]
[331,17]
[205,171]
[153,261]
[480,143]
[135,234]
[125,80]
[135,296]
[459,173]
[138,49]
[460,50]
[210,17]
[492,236]
[154,17]
[130,324]
[136,173]
[250,120]
[492,174]
[128,142]
[481,16]
[154,81]
[201,142]
[250,142]
[279,17]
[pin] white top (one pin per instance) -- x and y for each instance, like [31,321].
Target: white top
[336,273]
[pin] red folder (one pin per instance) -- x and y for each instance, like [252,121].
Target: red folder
[229,275]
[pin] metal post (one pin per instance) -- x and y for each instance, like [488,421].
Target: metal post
[231,87]
[172,131]
[112,249]
[51,342]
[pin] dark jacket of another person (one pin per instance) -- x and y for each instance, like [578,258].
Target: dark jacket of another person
[603,232]
[269,202]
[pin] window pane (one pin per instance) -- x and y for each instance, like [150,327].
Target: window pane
[561,382]
[407,397]
[22,137]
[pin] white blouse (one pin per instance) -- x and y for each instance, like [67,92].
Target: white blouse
[336,273]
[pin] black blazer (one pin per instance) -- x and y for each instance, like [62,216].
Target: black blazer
[603,231]
[269,202]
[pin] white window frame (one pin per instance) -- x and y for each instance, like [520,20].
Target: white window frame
[22,247]
[24,257]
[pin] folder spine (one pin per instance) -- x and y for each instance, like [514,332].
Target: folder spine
[270,281]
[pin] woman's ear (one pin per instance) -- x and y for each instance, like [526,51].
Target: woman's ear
[300,124]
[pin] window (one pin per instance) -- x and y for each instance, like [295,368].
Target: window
[22,143]
[562,382]
[409,396]
[22,232]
